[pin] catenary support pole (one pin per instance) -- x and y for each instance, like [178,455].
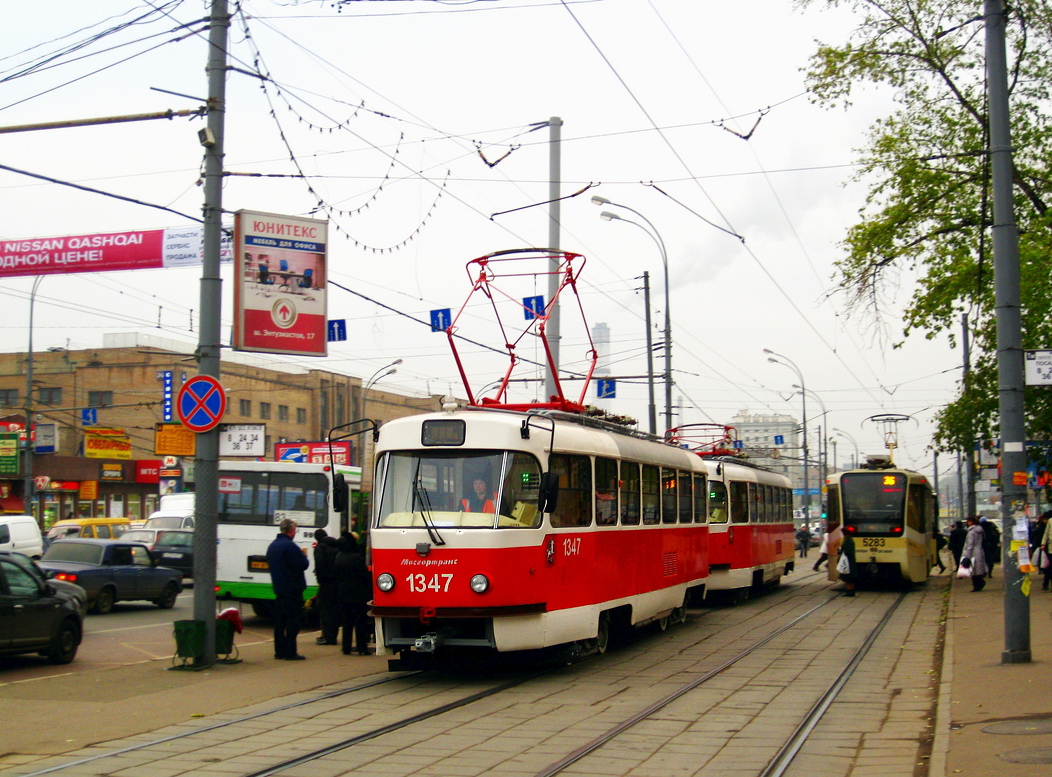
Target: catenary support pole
[1009,338]
[206,501]
[552,330]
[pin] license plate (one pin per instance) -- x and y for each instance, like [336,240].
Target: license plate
[172,555]
[258,564]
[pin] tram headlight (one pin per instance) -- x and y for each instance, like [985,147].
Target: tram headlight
[479,584]
[385,582]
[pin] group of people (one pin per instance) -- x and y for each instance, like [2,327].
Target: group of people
[344,590]
[975,544]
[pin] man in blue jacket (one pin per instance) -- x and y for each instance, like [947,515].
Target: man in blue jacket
[287,563]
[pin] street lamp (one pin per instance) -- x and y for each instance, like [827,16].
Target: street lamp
[785,361]
[823,459]
[851,439]
[379,375]
[656,237]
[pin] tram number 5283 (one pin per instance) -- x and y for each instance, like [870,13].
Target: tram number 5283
[872,542]
[419,583]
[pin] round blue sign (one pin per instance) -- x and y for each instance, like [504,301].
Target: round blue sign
[201,403]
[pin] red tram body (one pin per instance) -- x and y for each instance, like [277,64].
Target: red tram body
[587,528]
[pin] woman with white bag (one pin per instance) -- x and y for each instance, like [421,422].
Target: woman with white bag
[846,564]
[973,551]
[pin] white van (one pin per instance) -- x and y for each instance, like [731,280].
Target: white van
[21,534]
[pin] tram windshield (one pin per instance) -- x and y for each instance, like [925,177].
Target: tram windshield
[873,502]
[478,489]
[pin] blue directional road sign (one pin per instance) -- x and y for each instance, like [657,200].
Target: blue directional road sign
[201,403]
[779,439]
[441,319]
[606,388]
[532,307]
[738,444]
[337,330]
[89,416]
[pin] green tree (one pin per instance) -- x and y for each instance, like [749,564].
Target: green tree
[928,208]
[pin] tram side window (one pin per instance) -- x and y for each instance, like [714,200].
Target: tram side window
[668,495]
[755,495]
[739,502]
[769,508]
[717,502]
[686,498]
[832,507]
[574,474]
[917,514]
[629,493]
[651,494]
[605,492]
[700,491]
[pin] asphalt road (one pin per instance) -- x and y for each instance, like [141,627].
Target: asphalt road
[134,632]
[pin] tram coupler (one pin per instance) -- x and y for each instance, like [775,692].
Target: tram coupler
[429,643]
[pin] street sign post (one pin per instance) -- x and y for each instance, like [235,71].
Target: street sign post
[201,403]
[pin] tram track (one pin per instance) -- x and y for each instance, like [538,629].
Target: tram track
[398,686]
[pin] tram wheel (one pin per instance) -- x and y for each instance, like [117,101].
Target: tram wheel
[679,615]
[663,622]
[602,640]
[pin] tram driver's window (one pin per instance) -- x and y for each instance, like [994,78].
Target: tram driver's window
[574,475]
[518,499]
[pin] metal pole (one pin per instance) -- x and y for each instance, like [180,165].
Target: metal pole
[1009,338]
[970,452]
[553,326]
[206,501]
[651,409]
[28,495]
[787,362]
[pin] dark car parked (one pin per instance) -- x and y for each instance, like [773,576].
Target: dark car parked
[175,548]
[38,615]
[112,571]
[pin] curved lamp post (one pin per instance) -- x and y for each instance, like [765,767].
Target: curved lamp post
[850,439]
[380,374]
[823,459]
[777,358]
[651,230]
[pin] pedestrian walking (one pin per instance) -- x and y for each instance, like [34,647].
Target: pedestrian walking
[328,609]
[287,562]
[940,543]
[991,543]
[956,542]
[803,540]
[973,557]
[353,592]
[846,564]
[1044,554]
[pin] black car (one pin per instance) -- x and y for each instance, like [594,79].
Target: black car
[174,548]
[38,615]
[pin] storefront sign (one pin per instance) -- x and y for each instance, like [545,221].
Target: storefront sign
[112,472]
[147,471]
[174,440]
[243,440]
[46,438]
[89,489]
[313,452]
[63,485]
[109,444]
[9,453]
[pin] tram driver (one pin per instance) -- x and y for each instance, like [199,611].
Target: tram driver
[480,500]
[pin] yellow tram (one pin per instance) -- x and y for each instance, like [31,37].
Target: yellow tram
[892,515]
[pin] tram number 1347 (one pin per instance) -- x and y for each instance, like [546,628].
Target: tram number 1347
[419,582]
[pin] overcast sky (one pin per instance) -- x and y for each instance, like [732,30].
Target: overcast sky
[415,122]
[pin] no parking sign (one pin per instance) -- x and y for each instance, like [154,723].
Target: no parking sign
[201,403]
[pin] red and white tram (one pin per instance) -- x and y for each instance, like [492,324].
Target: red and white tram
[751,534]
[578,527]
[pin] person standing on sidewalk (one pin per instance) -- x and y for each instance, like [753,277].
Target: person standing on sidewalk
[354,589]
[287,564]
[957,536]
[328,610]
[1045,564]
[973,551]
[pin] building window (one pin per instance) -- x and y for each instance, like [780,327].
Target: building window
[264,410]
[301,414]
[100,398]
[9,397]
[283,412]
[50,396]
[245,408]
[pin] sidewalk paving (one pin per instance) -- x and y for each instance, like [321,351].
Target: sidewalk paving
[994,718]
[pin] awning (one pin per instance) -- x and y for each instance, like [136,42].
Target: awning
[12,504]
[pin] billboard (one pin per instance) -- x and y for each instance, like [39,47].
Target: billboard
[102,443]
[143,249]
[280,303]
[313,452]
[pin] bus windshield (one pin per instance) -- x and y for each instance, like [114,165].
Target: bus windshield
[259,498]
[873,502]
[478,489]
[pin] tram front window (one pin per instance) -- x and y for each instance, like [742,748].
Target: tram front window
[482,489]
[873,502]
